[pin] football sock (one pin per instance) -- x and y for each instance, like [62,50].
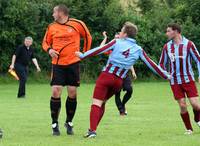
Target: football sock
[55,105]
[186,119]
[127,96]
[118,101]
[96,114]
[102,113]
[196,115]
[70,106]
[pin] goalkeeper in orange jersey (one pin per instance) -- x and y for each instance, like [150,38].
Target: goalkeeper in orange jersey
[61,41]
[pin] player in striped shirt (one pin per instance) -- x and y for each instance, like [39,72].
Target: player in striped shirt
[125,53]
[126,85]
[178,52]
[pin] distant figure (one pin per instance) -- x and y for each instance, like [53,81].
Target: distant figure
[23,54]
[127,87]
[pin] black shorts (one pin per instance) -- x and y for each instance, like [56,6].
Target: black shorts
[65,75]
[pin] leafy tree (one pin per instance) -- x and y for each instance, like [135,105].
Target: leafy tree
[20,18]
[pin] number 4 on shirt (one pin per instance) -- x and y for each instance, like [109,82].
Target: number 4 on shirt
[126,53]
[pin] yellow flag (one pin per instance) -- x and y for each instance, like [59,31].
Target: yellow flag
[13,73]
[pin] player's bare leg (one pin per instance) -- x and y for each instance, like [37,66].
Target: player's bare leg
[55,105]
[185,115]
[194,101]
[70,105]
[96,114]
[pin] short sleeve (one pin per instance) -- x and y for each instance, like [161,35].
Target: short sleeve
[32,53]
[17,51]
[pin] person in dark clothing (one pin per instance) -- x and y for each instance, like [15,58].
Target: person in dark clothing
[127,87]
[20,59]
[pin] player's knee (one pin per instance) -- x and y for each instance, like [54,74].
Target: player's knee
[129,90]
[72,94]
[97,102]
[183,107]
[56,92]
[195,106]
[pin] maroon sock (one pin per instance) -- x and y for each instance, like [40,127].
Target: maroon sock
[102,113]
[95,116]
[186,119]
[196,115]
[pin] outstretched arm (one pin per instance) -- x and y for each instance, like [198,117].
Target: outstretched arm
[97,50]
[152,65]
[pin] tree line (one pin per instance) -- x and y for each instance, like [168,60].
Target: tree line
[20,18]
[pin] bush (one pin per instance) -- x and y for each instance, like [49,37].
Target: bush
[19,18]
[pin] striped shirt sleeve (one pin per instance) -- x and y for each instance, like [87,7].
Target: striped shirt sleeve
[163,58]
[195,55]
[152,65]
[99,50]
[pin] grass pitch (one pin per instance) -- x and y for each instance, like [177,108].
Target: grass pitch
[153,119]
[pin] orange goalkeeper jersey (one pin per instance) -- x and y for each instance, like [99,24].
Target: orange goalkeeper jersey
[65,38]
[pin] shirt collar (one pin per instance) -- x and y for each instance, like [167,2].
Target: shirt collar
[27,47]
[131,39]
[182,42]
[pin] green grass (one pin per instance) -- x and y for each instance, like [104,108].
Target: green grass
[153,119]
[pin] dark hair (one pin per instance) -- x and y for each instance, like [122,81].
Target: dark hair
[175,26]
[130,29]
[63,8]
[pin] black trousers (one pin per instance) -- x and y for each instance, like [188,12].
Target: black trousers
[126,86]
[21,71]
